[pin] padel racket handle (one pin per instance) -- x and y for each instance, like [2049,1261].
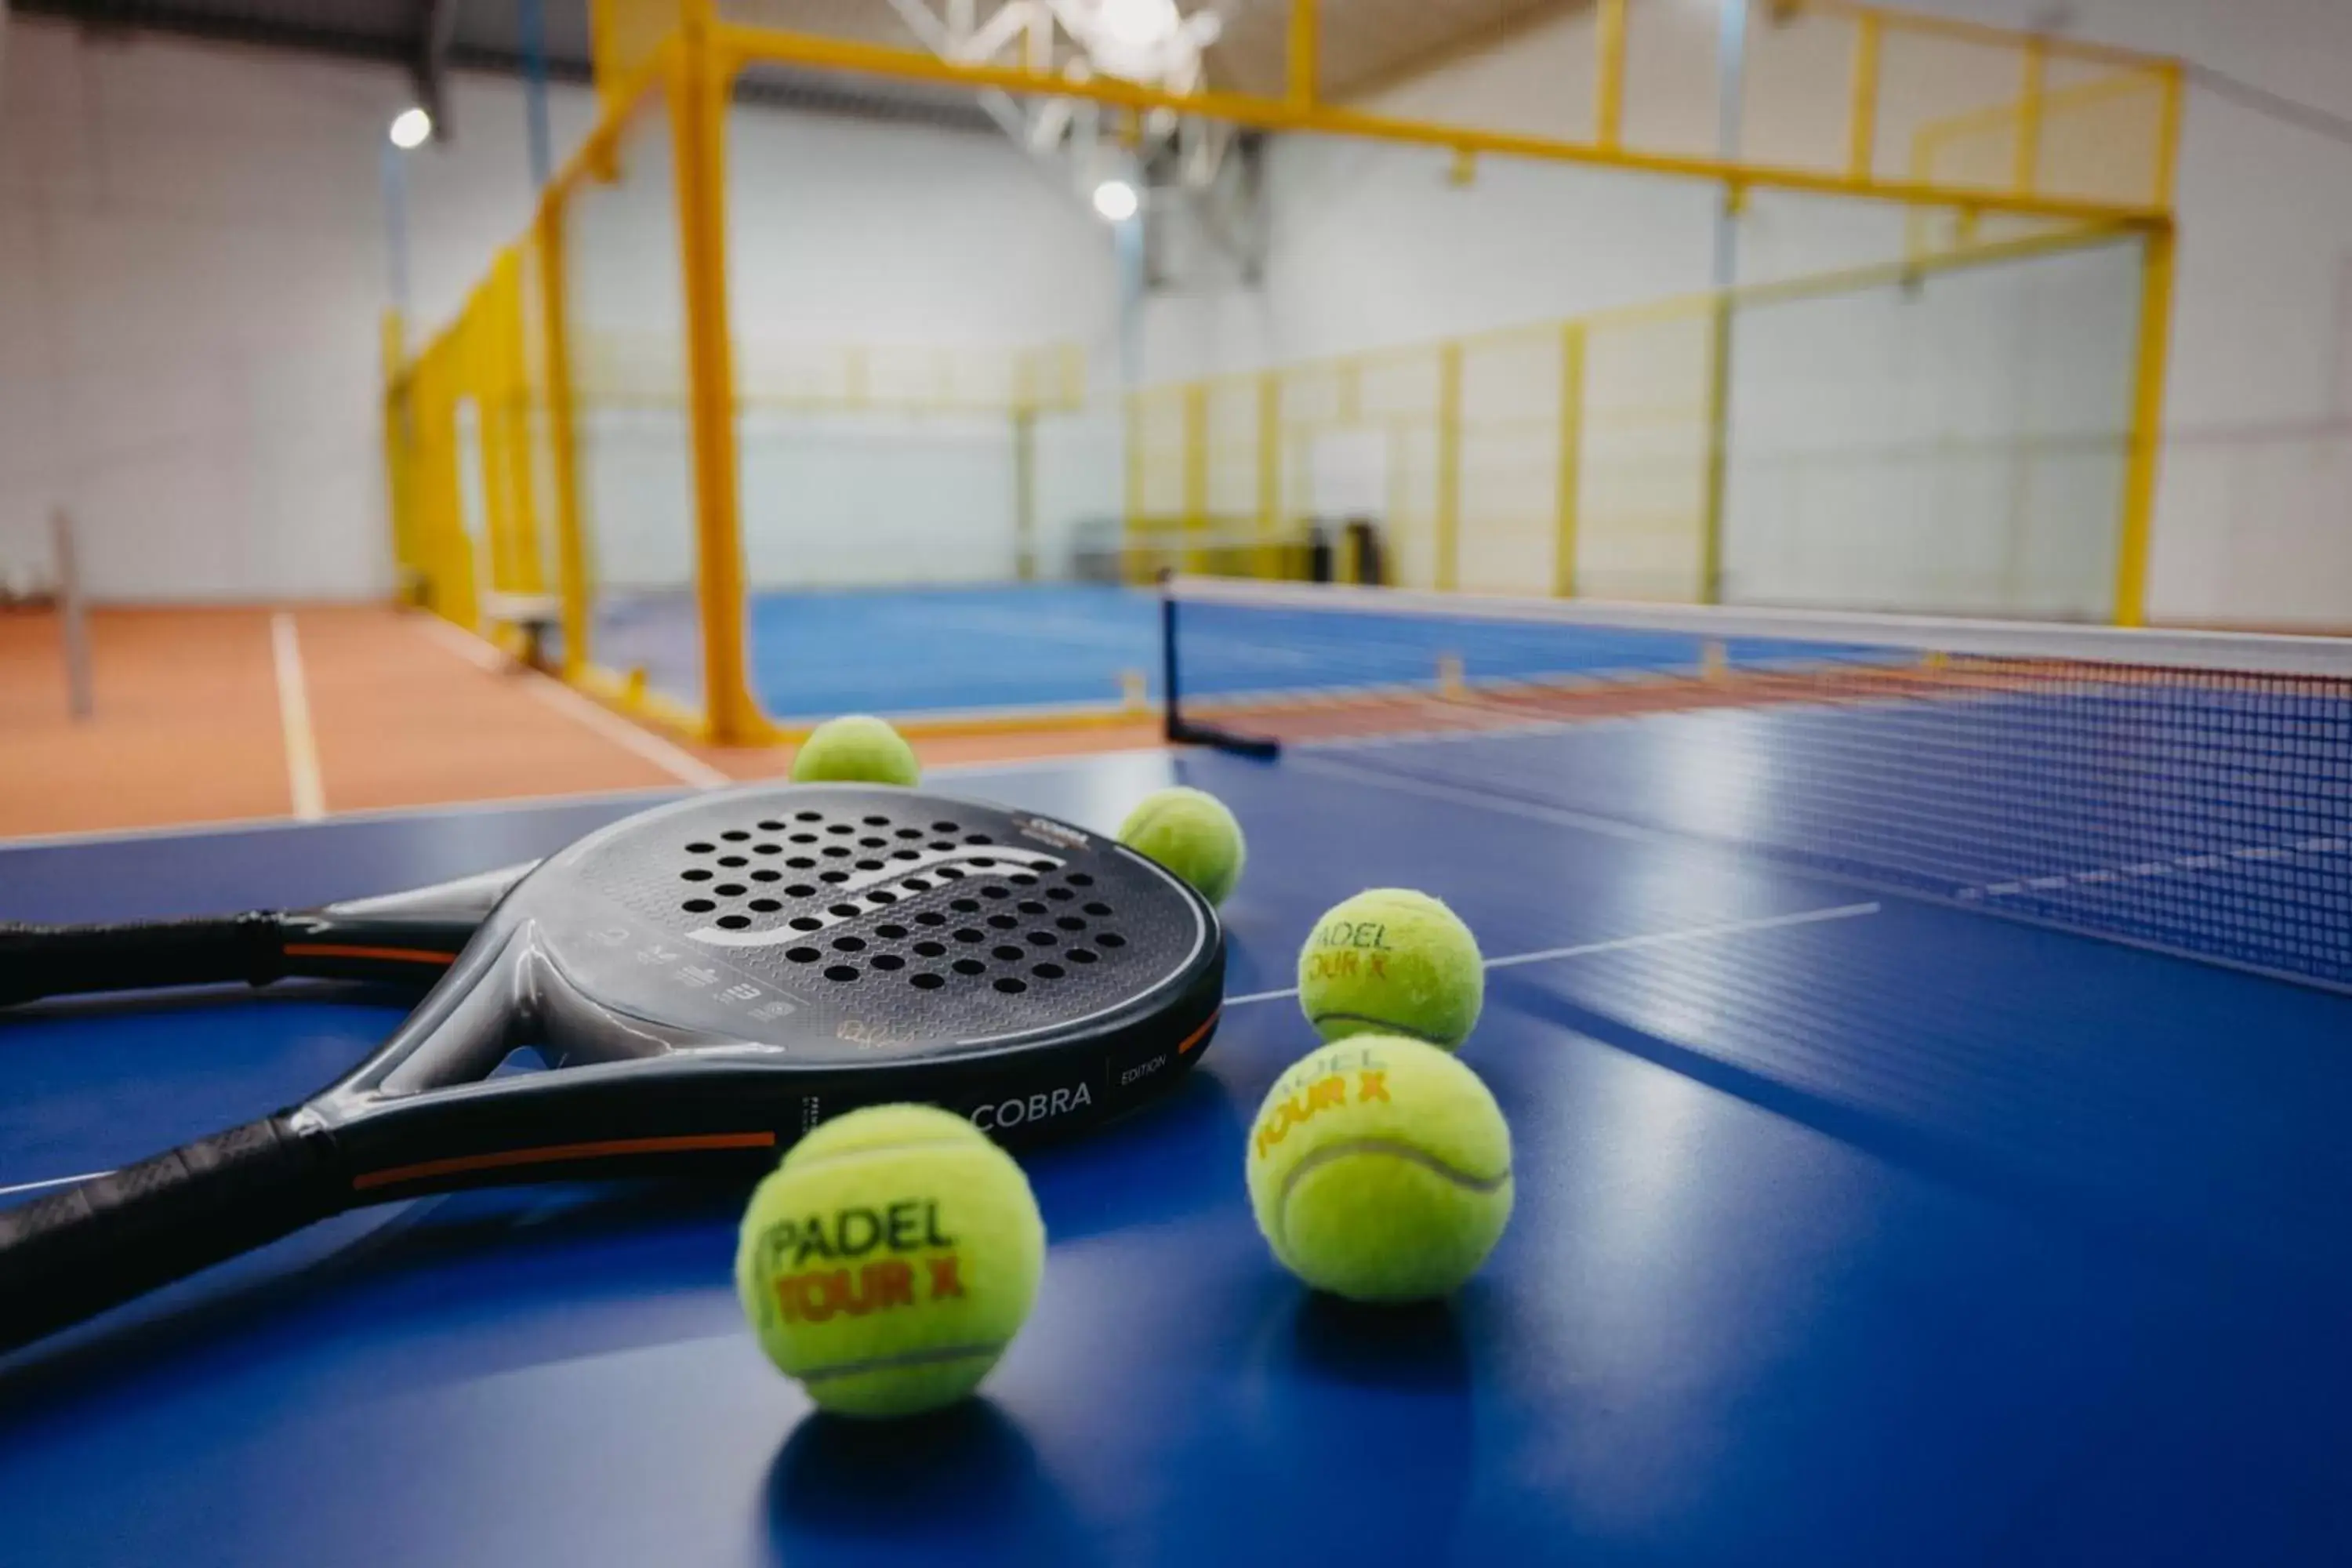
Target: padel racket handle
[61,961]
[76,1251]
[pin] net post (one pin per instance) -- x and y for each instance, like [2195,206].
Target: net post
[1178,730]
[73,620]
[1172,716]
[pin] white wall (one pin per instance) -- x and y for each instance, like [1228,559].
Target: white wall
[904,241]
[193,264]
[1373,246]
[192,267]
[911,237]
[188,285]
[2254,506]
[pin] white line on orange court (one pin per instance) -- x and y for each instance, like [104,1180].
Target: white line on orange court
[302,783]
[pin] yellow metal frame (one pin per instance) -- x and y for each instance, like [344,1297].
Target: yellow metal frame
[683,51]
[1569,480]
[1290,411]
[1299,114]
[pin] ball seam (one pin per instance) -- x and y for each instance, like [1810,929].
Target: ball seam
[938,1356]
[827,1157]
[1144,824]
[1389,1025]
[1392,1147]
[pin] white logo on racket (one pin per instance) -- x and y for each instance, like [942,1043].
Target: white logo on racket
[891,880]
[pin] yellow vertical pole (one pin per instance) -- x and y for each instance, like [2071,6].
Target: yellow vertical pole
[571,545]
[1304,49]
[2026,169]
[1449,465]
[699,79]
[1269,474]
[1572,454]
[2168,135]
[1025,491]
[1196,472]
[399,448]
[1919,222]
[1609,73]
[513,390]
[602,67]
[1862,110]
[1037,51]
[484,360]
[1718,451]
[450,588]
[2147,439]
[1138,559]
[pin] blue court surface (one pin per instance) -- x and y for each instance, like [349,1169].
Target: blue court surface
[1075,645]
[904,650]
[1854,1226]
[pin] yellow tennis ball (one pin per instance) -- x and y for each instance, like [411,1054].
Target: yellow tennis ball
[890,1259]
[1189,832]
[1380,1169]
[1392,961]
[856,748]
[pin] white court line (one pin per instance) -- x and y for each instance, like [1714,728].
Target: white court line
[1615,944]
[1558,815]
[53,1182]
[676,760]
[294,721]
[214,827]
[1627,944]
[2208,862]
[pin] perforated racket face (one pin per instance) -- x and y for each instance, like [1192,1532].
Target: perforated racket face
[715,977]
[840,921]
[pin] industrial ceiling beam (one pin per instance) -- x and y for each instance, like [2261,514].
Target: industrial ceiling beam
[436,28]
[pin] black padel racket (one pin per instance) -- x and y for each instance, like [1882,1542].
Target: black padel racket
[403,939]
[708,980]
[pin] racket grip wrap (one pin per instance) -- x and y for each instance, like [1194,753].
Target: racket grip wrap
[62,961]
[76,1251]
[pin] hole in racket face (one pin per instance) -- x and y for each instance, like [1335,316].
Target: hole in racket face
[886,919]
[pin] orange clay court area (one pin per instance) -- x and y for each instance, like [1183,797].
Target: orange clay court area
[236,714]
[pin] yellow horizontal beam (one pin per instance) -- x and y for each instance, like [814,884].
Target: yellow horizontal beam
[1980,33]
[743,45]
[2003,116]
